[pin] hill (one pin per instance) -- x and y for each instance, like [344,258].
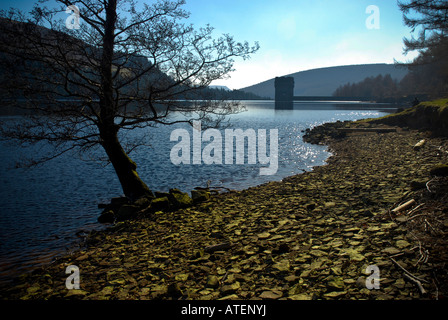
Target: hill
[22,72]
[324,81]
[225,88]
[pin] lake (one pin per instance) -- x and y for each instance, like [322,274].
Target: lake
[47,209]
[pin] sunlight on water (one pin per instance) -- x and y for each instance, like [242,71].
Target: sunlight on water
[43,209]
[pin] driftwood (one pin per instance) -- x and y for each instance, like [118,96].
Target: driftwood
[419,144]
[404,206]
[378,130]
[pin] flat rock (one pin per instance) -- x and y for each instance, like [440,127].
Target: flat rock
[230,288]
[335,294]
[282,265]
[402,244]
[391,250]
[271,295]
[263,235]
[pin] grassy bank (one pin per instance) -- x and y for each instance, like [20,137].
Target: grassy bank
[431,116]
[311,236]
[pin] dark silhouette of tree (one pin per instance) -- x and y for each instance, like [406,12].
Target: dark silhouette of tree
[126,67]
[375,88]
[429,71]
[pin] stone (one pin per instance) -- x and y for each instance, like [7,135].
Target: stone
[142,203]
[76,293]
[212,282]
[439,170]
[336,270]
[33,290]
[179,199]
[417,185]
[400,283]
[230,288]
[159,194]
[301,296]
[336,283]
[330,204]
[160,204]
[200,195]
[391,250]
[271,295]
[353,254]
[263,235]
[317,264]
[181,277]
[230,297]
[318,253]
[107,216]
[119,201]
[127,212]
[335,294]
[174,290]
[361,282]
[291,278]
[82,257]
[402,244]
[282,265]
[108,290]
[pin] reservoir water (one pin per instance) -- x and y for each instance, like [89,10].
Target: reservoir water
[45,210]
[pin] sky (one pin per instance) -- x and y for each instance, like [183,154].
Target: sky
[298,35]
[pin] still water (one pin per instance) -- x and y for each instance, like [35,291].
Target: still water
[46,209]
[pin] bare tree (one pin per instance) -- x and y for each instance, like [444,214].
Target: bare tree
[126,67]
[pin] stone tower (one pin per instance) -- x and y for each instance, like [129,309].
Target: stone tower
[284,92]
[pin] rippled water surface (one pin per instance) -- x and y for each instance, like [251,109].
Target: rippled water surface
[44,210]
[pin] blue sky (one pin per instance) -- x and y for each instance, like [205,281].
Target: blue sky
[297,35]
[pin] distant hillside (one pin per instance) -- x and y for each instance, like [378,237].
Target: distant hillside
[24,77]
[220,87]
[324,81]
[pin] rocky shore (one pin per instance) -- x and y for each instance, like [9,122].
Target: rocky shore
[379,204]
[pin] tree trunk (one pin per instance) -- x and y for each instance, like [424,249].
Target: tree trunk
[133,186]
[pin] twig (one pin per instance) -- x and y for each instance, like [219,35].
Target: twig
[427,256]
[390,216]
[224,277]
[406,271]
[427,184]
[415,209]
[422,256]
[397,255]
[417,215]
[427,222]
[409,276]
[416,282]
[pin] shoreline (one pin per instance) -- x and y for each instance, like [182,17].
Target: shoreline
[310,236]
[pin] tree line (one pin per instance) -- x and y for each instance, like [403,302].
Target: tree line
[428,72]
[374,88]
